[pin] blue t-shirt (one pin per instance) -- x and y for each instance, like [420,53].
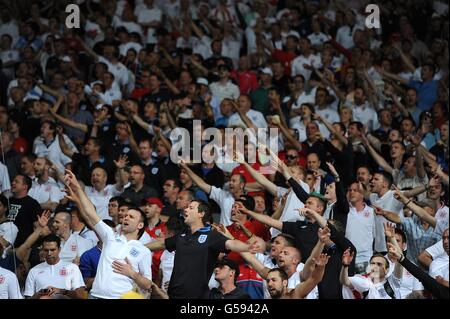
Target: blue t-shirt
[89,262]
[427,93]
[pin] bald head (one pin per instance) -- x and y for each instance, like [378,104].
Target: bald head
[313,161]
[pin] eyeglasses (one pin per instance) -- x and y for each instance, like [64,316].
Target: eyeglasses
[291,157]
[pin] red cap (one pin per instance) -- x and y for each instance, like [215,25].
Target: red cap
[154,200]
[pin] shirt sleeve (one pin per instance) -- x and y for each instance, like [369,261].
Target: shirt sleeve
[436,250]
[86,268]
[217,194]
[77,279]
[171,243]
[104,232]
[216,241]
[30,285]
[360,284]
[145,264]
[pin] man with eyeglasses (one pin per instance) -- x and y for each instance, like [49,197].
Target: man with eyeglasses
[138,191]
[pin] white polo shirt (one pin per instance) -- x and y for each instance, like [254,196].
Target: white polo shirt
[298,68]
[360,231]
[74,247]
[107,283]
[389,203]
[294,280]
[87,234]
[228,90]
[375,291]
[146,15]
[9,285]
[63,275]
[44,192]
[166,266]
[100,199]
[439,267]
[366,115]
[225,200]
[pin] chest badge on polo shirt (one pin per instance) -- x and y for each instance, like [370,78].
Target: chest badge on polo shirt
[134,252]
[367,214]
[202,239]
[126,150]
[158,232]
[2,279]
[73,247]
[63,272]
[155,170]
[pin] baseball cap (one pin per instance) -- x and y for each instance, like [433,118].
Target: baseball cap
[202,81]
[267,70]
[230,263]
[65,58]
[153,200]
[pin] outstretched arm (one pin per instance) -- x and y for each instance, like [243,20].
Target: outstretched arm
[196,179]
[347,258]
[267,220]
[377,157]
[256,264]
[304,288]
[323,234]
[76,194]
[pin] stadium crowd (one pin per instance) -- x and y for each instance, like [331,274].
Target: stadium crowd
[353,205]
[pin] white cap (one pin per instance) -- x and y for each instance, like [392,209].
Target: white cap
[66,58]
[202,81]
[267,70]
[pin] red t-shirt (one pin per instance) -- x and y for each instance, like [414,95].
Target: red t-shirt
[156,232]
[138,93]
[246,80]
[285,58]
[21,145]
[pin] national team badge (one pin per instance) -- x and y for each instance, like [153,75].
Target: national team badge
[73,247]
[63,272]
[2,279]
[202,238]
[134,253]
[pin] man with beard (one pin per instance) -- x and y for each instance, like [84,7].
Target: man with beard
[277,281]
[45,190]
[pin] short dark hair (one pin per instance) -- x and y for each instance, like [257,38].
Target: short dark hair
[290,240]
[338,226]
[143,219]
[401,233]
[119,199]
[52,239]
[247,201]
[382,256]
[27,181]
[203,207]
[359,125]
[281,272]
[387,177]
[174,225]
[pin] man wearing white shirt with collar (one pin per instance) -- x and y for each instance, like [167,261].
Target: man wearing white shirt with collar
[360,228]
[5,184]
[224,87]
[72,245]
[306,58]
[45,190]
[54,276]
[100,193]
[124,260]
[383,197]
[244,104]
[9,285]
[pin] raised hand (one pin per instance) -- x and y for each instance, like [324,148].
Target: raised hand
[394,251]
[121,162]
[324,234]
[241,208]
[434,181]
[71,181]
[398,195]
[44,218]
[322,260]
[347,257]
[332,169]
[238,157]
[306,212]
[389,230]
[378,211]
[316,117]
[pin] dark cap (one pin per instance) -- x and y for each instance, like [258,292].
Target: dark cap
[230,263]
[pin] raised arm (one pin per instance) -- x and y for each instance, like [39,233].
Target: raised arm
[267,220]
[304,288]
[62,143]
[377,157]
[120,165]
[256,264]
[76,194]
[416,209]
[68,122]
[392,76]
[323,234]
[260,178]
[196,179]
[347,259]
[390,216]
[330,128]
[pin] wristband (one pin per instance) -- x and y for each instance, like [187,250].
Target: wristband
[407,203]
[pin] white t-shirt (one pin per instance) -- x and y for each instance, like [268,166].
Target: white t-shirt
[366,115]
[298,68]
[8,231]
[225,201]
[376,291]
[101,199]
[73,247]
[53,152]
[63,275]
[442,218]
[439,267]
[88,234]
[256,117]
[360,231]
[119,70]
[166,266]
[318,38]
[146,15]
[44,192]
[9,285]
[437,250]
[389,203]
[107,283]
[5,184]
[228,90]
[408,283]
